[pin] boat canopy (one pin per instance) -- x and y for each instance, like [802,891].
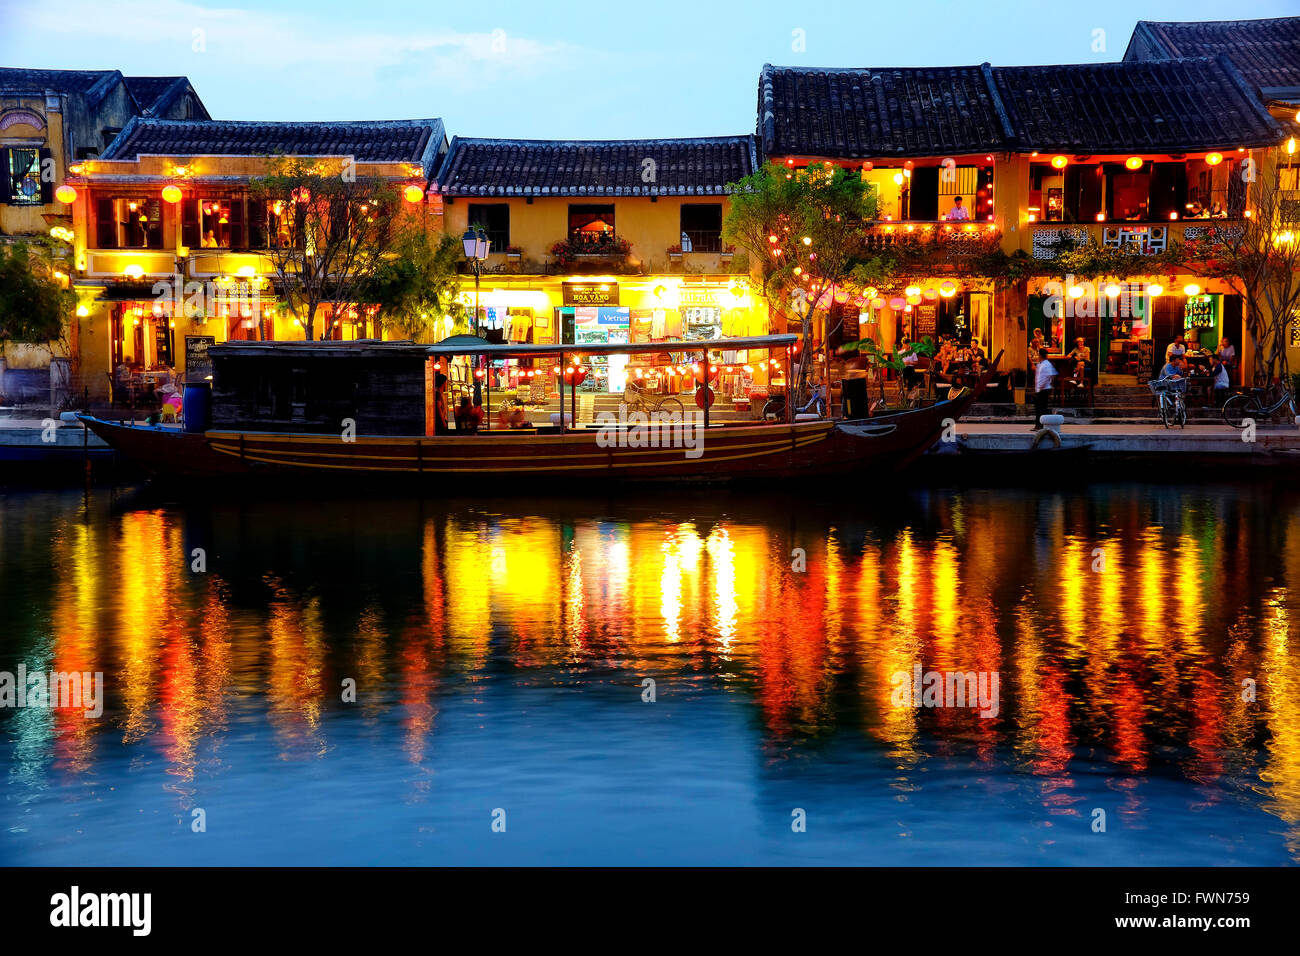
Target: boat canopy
[473,345]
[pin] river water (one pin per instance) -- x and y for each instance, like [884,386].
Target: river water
[641,679]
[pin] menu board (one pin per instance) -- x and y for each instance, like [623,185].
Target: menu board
[1146,359]
[198,364]
[927,321]
[1200,312]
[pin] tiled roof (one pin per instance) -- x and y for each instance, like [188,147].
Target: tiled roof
[154,94]
[389,141]
[861,113]
[522,167]
[1156,106]
[1267,52]
[93,84]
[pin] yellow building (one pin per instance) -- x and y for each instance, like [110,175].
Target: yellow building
[1138,157]
[606,241]
[171,249]
[50,120]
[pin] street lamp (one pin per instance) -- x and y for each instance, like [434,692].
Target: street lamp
[476,245]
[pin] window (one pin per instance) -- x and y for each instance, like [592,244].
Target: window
[128,222]
[701,227]
[221,223]
[24,184]
[493,219]
[591,227]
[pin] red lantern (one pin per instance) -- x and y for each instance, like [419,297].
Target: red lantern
[699,373]
[704,396]
[575,375]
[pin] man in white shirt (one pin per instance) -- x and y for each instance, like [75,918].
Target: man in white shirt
[1176,347]
[1043,377]
[958,211]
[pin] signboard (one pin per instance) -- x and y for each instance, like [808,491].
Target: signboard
[590,293]
[927,321]
[1146,359]
[698,298]
[1201,312]
[198,365]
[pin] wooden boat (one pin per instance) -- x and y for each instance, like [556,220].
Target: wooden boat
[375,382]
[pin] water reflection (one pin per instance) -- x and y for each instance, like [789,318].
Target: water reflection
[1127,626]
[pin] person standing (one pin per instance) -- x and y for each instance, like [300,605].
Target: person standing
[1043,381]
[1228,356]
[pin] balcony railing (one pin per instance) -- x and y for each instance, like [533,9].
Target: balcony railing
[1143,238]
[703,240]
[941,240]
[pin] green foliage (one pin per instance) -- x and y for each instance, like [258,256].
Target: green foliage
[334,232]
[34,305]
[418,285]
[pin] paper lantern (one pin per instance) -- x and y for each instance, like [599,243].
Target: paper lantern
[1059,162]
[1133,162]
[896,303]
[930,295]
[948,289]
[413,193]
[65,194]
[172,194]
[1213,159]
[878,303]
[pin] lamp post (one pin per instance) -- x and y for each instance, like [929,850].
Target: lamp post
[476,245]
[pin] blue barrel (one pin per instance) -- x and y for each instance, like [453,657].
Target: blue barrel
[196,406]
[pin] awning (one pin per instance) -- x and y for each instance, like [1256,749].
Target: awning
[472,345]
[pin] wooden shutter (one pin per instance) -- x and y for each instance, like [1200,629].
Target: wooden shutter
[105,225]
[47,182]
[256,223]
[5,175]
[237,232]
[190,223]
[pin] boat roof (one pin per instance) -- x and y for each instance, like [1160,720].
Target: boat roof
[473,345]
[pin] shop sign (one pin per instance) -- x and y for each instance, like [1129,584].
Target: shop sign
[591,293]
[1146,359]
[1200,313]
[198,364]
[698,298]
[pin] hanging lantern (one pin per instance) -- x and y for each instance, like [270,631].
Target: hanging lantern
[878,303]
[897,303]
[1134,162]
[1213,159]
[413,193]
[1059,162]
[948,289]
[66,194]
[912,290]
[172,193]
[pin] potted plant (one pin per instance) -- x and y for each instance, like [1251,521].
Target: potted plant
[514,253]
[675,253]
[727,253]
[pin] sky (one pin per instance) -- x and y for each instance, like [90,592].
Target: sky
[553,69]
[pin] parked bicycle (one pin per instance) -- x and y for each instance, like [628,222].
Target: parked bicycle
[1172,393]
[1257,405]
[637,399]
[774,409]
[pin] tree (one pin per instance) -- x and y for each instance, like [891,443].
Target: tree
[418,285]
[329,231]
[806,234]
[34,304]
[1258,257]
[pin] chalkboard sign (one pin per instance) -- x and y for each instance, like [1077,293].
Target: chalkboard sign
[927,321]
[198,365]
[1146,359]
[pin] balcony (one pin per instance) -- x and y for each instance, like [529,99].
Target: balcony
[934,243]
[1048,240]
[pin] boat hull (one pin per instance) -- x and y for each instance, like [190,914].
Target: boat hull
[658,453]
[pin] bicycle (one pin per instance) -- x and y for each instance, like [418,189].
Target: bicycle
[1172,394]
[774,408]
[1240,409]
[637,399]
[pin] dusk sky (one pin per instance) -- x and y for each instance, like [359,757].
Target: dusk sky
[552,70]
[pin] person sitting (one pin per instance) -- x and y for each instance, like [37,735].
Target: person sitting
[1176,347]
[1176,367]
[466,420]
[958,212]
[1082,358]
[1218,388]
